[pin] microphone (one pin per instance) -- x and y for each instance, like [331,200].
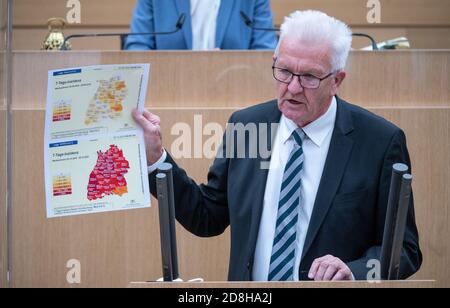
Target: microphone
[249,24]
[397,43]
[374,43]
[178,27]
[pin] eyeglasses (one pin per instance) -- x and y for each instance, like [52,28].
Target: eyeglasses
[307,81]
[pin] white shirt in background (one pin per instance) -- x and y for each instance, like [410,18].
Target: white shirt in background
[204,23]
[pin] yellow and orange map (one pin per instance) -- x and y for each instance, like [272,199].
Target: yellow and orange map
[108,101]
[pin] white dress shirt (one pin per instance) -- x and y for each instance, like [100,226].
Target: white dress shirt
[204,23]
[156,165]
[315,149]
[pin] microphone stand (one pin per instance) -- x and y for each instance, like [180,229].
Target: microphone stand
[249,24]
[178,27]
[374,43]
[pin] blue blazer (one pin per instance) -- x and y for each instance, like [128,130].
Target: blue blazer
[232,33]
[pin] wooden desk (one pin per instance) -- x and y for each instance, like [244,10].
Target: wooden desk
[287,285]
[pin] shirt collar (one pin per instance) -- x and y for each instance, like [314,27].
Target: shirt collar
[317,131]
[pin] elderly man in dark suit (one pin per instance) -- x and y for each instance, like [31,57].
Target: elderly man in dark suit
[319,210]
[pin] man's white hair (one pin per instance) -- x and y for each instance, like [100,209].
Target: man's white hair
[317,28]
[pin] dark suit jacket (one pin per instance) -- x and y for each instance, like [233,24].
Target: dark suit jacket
[350,207]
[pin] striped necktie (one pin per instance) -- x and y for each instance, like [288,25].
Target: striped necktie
[284,246]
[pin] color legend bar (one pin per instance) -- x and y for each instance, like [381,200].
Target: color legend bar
[62,111]
[62,185]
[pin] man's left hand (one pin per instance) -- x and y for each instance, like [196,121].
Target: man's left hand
[329,268]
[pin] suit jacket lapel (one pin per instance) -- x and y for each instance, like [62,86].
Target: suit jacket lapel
[183,6]
[336,162]
[223,18]
[260,175]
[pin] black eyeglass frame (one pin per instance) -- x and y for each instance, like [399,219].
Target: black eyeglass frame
[299,77]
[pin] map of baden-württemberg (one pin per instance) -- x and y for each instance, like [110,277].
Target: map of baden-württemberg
[108,176]
[108,101]
[94,150]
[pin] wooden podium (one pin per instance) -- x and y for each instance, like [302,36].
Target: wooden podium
[409,88]
[289,285]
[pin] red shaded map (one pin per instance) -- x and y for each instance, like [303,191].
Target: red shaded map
[107,178]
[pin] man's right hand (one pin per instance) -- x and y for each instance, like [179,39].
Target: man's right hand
[152,134]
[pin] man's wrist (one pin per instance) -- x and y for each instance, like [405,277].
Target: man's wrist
[161,160]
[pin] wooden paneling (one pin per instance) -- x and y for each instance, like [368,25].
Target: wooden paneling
[425,22]
[289,285]
[3,18]
[119,247]
[428,137]
[119,12]
[3,221]
[238,79]
[354,12]
[398,78]
[230,78]
[3,216]
[108,13]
